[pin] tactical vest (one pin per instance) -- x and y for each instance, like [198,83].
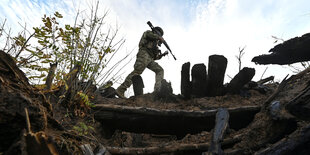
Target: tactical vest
[149,42]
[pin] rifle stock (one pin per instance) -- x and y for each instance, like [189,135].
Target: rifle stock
[164,42]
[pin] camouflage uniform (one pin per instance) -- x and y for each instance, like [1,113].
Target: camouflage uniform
[148,52]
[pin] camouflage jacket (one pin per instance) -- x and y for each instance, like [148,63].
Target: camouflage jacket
[149,42]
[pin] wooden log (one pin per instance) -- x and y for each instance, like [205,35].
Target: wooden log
[199,80]
[138,85]
[263,81]
[186,86]
[300,106]
[172,122]
[296,143]
[274,94]
[221,125]
[242,78]
[291,51]
[216,73]
[50,76]
[169,149]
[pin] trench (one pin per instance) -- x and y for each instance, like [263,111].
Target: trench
[164,122]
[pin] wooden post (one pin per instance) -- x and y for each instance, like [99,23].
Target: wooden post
[216,73]
[242,78]
[221,125]
[138,85]
[199,80]
[50,76]
[185,81]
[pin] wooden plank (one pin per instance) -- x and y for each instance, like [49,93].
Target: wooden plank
[221,125]
[174,122]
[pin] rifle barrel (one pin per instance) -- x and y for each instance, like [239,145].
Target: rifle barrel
[165,43]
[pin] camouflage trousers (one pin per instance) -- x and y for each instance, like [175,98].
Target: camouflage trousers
[144,60]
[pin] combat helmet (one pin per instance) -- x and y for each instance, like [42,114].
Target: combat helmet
[160,30]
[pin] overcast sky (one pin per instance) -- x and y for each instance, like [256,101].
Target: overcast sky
[194,29]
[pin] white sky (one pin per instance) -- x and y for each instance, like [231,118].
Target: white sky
[194,29]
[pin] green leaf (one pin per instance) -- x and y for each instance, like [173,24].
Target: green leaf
[58,15]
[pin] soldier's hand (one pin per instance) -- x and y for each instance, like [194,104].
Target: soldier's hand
[165,53]
[161,39]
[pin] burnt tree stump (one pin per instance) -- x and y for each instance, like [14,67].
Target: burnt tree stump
[216,73]
[199,80]
[186,87]
[242,78]
[137,83]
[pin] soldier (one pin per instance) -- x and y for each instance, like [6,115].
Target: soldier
[148,53]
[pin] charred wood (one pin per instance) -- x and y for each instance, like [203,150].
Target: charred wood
[296,143]
[263,81]
[300,106]
[274,94]
[199,80]
[173,122]
[186,86]
[290,51]
[138,85]
[221,125]
[242,78]
[216,73]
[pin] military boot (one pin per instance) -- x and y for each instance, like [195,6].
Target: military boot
[120,92]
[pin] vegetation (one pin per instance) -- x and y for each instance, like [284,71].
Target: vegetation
[239,57]
[69,57]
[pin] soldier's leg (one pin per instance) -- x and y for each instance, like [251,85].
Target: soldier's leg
[141,63]
[155,67]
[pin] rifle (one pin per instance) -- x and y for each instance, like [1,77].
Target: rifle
[164,42]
